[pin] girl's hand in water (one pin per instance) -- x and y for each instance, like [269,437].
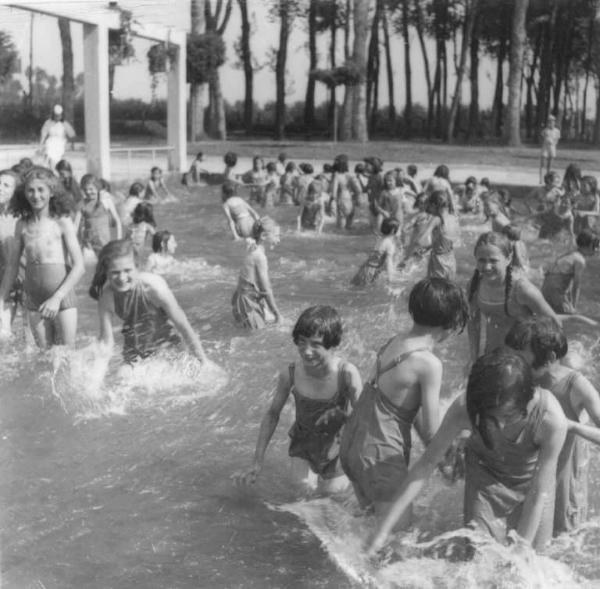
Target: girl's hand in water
[49,308]
[246,478]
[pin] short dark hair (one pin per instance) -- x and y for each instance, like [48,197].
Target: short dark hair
[160,240]
[230,159]
[389,226]
[320,321]
[228,190]
[437,302]
[411,169]
[587,238]
[306,168]
[542,334]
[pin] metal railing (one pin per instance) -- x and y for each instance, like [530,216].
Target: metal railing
[130,150]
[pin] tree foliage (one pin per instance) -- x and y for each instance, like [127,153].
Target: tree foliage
[205,53]
[9,57]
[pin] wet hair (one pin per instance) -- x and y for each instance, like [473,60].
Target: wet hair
[550,176]
[155,169]
[90,179]
[63,166]
[282,156]
[137,189]
[271,167]
[327,168]
[411,169]
[319,321]
[442,172]
[290,167]
[437,302]
[256,159]
[199,155]
[263,225]
[485,181]
[420,200]
[306,168]
[144,213]
[26,163]
[340,164]
[585,238]
[543,335]
[572,178]
[512,232]
[359,169]
[389,226]
[118,248]
[503,243]
[592,182]
[437,201]
[471,180]
[228,190]
[160,240]
[230,159]
[60,205]
[497,379]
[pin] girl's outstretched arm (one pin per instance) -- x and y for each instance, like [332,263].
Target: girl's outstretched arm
[542,488]
[105,312]
[587,432]
[264,284]
[164,298]
[267,429]
[50,307]
[454,422]
[109,205]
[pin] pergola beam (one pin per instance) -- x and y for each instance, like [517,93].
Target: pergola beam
[105,17]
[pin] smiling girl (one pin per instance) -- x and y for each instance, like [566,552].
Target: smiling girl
[53,259]
[143,301]
[324,388]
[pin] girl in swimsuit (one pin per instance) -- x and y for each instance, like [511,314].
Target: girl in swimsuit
[312,208]
[270,193]
[544,346]
[303,181]
[65,173]
[419,242]
[393,202]
[163,250]
[53,261]
[382,256]
[142,226]
[156,189]
[253,294]
[98,212]
[324,388]
[562,280]
[287,188]
[344,191]
[587,205]
[240,215]
[499,295]
[143,301]
[134,198]
[403,390]
[256,177]
[375,187]
[517,434]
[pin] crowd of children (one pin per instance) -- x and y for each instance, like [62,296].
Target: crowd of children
[522,404]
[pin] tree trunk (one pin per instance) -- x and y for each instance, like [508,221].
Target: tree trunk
[498,106]
[517,47]
[590,47]
[420,34]
[373,67]
[332,110]
[437,86]
[247,64]
[197,8]
[309,102]
[68,80]
[347,30]
[217,126]
[390,73]
[546,62]
[473,126]
[596,137]
[530,81]
[284,32]
[471,8]
[407,71]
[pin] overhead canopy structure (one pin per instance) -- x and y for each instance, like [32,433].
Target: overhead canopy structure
[97,18]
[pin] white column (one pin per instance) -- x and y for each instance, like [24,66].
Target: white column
[96,99]
[176,107]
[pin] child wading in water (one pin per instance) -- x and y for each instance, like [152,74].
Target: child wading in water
[544,345]
[253,294]
[403,390]
[163,249]
[156,189]
[562,279]
[517,433]
[142,226]
[382,256]
[53,258]
[97,213]
[324,388]
[240,215]
[312,207]
[143,301]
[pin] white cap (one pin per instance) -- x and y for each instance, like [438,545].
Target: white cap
[58,109]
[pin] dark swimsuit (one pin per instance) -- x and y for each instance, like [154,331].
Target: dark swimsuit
[376,442]
[318,445]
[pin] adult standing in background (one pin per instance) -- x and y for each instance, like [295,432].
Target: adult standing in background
[54,135]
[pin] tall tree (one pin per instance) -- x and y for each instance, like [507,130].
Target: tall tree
[517,47]
[68,78]
[197,90]
[285,20]
[373,68]
[470,11]
[309,101]
[216,22]
[473,126]
[420,28]
[246,56]
[390,71]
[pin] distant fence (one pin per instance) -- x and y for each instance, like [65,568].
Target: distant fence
[134,151]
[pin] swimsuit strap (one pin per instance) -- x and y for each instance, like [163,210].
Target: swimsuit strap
[292,370]
[393,363]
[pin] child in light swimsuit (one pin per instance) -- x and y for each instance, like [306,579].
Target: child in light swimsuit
[312,208]
[156,189]
[143,301]
[499,295]
[142,226]
[324,388]
[517,434]
[230,159]
[544,345]
[393,202]
[257,178]
[197,174]
[134,198]
[520,257]
[53,258]
[405,382]
[163,250]
[287,187]
[381,258]
[562,279]
[240,215]
[468,197]
[418,241]
[344,191]
[270,193]
[253,294]
[98,212]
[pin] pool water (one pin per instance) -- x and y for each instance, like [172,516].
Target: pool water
[109,486]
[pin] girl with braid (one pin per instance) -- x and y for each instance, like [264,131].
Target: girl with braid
[499,294]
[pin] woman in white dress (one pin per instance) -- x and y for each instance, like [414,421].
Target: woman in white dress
[53,140]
